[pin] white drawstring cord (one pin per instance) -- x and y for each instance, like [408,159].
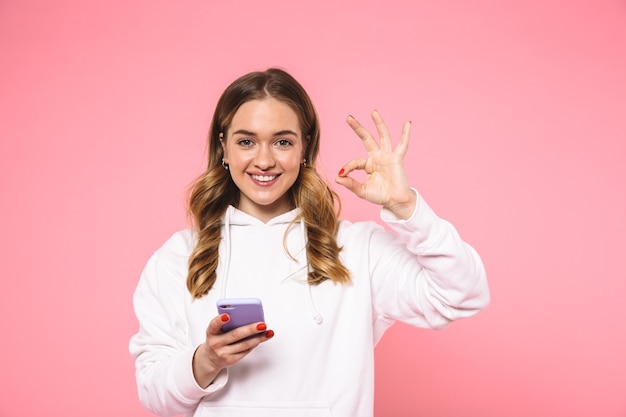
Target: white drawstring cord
[319,319]
[227,243]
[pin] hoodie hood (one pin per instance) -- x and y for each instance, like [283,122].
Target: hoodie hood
[235,217]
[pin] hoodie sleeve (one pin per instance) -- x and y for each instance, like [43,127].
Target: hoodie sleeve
[424,275]
[162,348]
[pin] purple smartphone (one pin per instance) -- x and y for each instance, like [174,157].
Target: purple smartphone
[242,311]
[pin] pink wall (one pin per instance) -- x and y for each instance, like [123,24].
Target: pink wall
[519,138]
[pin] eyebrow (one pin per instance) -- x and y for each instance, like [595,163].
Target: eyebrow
[279,133]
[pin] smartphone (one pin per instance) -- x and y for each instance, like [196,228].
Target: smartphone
[242,311]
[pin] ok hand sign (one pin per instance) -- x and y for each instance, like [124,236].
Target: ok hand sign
[386,182]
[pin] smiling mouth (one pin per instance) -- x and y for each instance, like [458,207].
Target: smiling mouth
[264,178]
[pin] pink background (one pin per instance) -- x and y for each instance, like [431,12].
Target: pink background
[519,139]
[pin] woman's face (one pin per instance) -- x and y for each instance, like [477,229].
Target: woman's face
[263,148]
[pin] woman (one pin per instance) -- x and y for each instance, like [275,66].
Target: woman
[266,226]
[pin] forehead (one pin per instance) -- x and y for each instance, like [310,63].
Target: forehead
[265,115]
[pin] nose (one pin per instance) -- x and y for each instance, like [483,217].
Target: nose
[264,159]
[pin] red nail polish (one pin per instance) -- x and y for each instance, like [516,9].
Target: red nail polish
[269,334]
[224,317]
[261,326]
[341,171]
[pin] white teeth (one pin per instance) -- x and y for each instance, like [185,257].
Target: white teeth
[263,178]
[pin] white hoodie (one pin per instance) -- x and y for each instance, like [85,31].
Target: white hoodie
[321,360]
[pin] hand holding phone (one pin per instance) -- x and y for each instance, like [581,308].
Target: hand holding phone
[219,349]
[241,311]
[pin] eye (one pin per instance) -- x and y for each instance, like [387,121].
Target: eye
[284,143]
[245,142]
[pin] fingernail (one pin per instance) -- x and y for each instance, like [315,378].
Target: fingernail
[269,334]
[224,317]
[341,171]
[261,326]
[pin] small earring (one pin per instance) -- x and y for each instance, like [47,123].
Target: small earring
[224,164]
[304,163]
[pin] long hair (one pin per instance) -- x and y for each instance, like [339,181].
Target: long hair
[213,191]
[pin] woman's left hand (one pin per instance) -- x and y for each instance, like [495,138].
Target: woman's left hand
[386,182]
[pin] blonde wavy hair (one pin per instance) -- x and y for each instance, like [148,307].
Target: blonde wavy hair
[213,191]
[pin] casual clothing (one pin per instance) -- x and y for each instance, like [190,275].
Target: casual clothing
[321,360]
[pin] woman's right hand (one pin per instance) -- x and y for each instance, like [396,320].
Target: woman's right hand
[223,349]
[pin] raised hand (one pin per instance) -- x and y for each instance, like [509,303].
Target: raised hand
[386,182]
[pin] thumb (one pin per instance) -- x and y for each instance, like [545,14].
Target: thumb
[215,325]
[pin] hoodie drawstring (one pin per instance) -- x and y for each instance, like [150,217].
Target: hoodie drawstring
[227,247]
[317,317]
